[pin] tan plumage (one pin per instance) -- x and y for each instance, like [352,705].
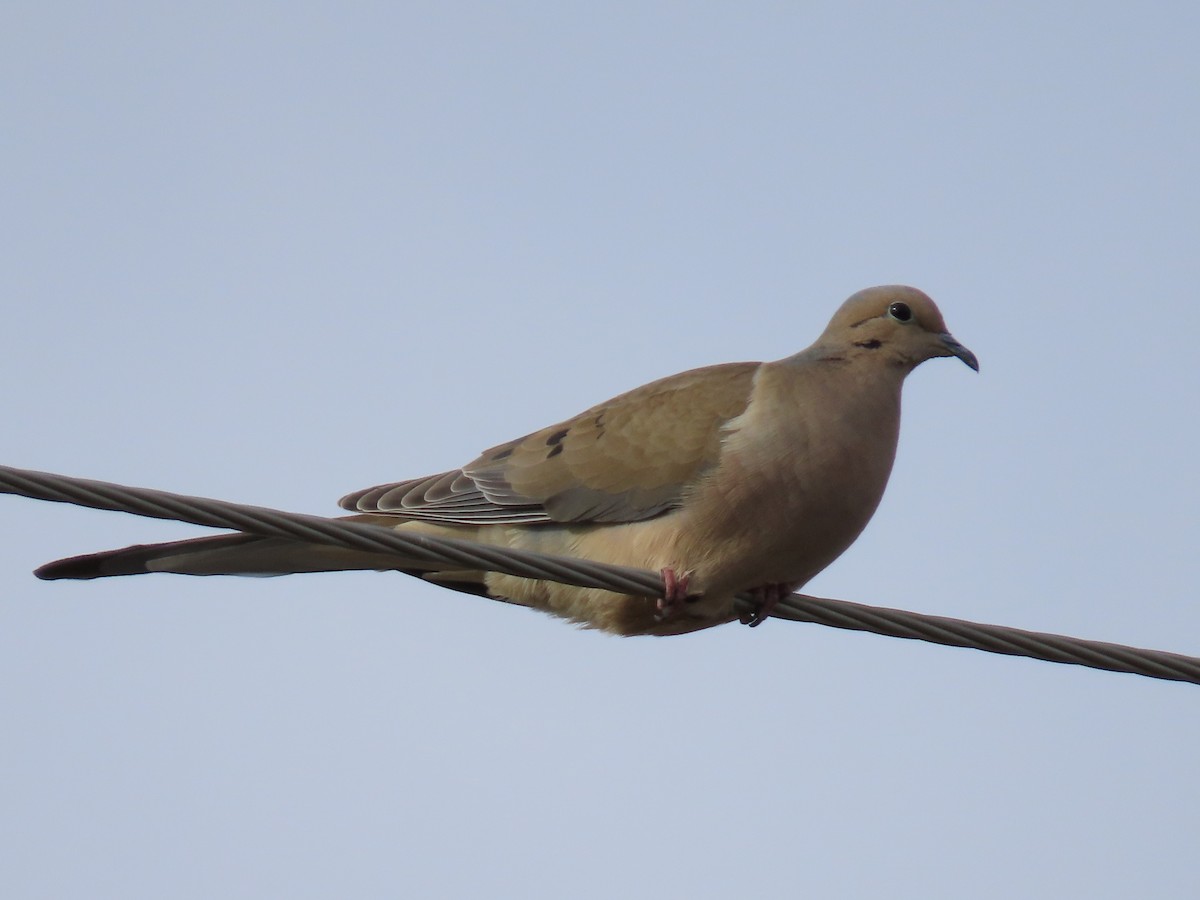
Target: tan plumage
[612,463]
[735,477]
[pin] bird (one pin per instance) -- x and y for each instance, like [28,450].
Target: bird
[746,477]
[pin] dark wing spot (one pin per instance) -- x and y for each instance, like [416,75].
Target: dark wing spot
[553,453]
[555,439]
[872,344]
[503,454]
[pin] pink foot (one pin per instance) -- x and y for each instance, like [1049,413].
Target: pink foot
[675,593]
[768,596]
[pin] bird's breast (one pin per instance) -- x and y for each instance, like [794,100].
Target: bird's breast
[798,480]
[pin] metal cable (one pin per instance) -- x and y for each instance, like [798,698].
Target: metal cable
[439,552]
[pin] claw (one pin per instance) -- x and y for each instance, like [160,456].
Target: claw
[675,593]
[768,596]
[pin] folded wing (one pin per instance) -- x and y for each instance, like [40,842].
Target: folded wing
[629,459]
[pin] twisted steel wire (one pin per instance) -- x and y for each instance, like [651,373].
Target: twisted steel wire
[465,554]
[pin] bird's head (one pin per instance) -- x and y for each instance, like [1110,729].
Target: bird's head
[898,323]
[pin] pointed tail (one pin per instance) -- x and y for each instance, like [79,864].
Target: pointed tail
[225,554]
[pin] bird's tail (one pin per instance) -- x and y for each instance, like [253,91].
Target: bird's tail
[225,554]
[248,554]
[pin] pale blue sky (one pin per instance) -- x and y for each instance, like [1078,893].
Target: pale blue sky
[277,252]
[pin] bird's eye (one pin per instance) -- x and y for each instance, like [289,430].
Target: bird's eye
[900,312]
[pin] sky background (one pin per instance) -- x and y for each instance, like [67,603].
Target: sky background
[276,252]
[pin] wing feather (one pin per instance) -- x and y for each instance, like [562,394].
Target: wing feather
[629,459]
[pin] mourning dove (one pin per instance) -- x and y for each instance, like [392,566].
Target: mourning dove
[744,477]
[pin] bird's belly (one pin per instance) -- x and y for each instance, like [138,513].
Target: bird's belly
[780,522]
[779,527]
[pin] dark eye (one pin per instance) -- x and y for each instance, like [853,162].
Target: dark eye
[900,312]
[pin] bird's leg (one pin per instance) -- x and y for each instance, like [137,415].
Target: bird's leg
[768,597]
[675,593]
